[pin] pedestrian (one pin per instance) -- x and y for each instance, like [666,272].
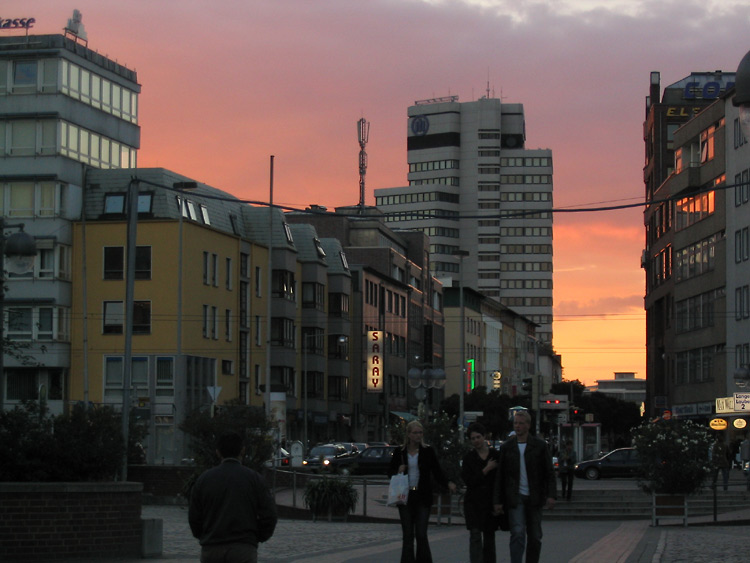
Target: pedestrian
[420,462]
[231,509]
[478,470]
[721,461]
[524,484]
[567,460]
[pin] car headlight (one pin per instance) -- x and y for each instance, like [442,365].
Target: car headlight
[326,461]
[304,462]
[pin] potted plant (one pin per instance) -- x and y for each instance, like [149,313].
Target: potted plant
[674,463]
[330,496]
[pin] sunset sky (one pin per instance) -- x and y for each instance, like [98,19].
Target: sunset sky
[228,83]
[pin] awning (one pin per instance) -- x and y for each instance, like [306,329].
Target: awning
[407,416]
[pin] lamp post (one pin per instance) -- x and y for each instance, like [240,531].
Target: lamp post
[423,379]
[20,249]
[462,371]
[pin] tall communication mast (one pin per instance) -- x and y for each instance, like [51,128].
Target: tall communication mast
[363,133]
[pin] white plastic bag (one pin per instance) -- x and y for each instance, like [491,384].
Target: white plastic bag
[398,490]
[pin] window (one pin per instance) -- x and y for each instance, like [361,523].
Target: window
[24,73]
[257,281]
[204,214]
[164,372]
[228,279]
[282,332]
[113,320]
[227,367]
[228,325]
[214,323]
[258,331]
[283,285]
[313,295]
[114,203]
[114,263]
[215,270]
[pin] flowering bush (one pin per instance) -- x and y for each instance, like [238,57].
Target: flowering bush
[674,456]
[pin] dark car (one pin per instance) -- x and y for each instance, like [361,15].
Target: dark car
[623,462]
[325,456]
[370,461]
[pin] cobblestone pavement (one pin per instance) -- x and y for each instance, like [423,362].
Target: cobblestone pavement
[296,540]
[292,538]
[705,544]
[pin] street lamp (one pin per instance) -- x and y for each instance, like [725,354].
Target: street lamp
[423,379]
[462,371]
[742,92]
[20,249]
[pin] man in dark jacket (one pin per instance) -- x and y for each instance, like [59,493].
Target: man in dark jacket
[525,484]
[231,509]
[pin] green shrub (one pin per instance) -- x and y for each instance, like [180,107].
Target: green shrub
[330,495]
[81,445]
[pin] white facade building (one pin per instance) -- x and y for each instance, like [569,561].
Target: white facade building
[474,187]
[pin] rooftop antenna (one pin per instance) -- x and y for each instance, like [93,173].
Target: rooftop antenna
[75,27]
[363,133]
[488,83]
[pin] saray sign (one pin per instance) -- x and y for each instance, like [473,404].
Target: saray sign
[374,361]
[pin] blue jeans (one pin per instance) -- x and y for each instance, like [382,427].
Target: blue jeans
[525,531]
[414,520]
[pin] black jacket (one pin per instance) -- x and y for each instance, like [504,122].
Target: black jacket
[231,504]
[479,487]
[429,468]
[542,483]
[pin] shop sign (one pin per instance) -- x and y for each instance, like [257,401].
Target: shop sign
[718,424]
[374,361]
[739,423]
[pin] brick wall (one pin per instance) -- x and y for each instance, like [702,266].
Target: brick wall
[57,521]
[161,480]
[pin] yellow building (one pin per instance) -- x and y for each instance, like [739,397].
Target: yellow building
[199,308]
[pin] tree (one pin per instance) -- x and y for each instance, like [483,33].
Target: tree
[249,422]
[494,406]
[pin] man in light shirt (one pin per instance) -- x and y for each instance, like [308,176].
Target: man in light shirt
[525,484]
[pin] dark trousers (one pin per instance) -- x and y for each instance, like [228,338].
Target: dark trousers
[566,483]
[525,531]
[229,553]
[414,520]
[482,546]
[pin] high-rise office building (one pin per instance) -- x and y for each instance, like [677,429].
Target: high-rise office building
[484,199]
[64,108]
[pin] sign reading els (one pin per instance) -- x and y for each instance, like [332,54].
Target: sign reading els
[374,361]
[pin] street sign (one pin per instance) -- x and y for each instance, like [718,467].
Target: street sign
[742,401]
[213,391]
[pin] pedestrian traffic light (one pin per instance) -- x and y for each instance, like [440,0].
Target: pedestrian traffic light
[526,384]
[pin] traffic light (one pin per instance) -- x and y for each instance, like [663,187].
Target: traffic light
[526,384]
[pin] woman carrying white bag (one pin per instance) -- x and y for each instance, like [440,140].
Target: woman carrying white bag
[419,463]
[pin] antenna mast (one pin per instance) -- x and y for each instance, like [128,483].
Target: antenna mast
[363,133]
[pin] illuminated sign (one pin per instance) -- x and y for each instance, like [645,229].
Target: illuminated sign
[718,424]
[420,125]
[375,352]
[682,111]
[17,23]
[470,376]
[709,90]
[739,423]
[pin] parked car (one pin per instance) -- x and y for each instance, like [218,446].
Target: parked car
[370,461]
[324,456]
[622,462]
[351,447]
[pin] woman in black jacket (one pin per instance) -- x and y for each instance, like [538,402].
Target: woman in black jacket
[420,463]
[478,473]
